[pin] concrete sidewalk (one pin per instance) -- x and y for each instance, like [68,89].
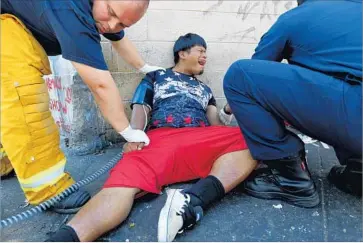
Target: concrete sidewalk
[237,217]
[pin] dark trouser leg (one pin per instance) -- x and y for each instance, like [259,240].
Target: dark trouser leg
[262,94]
[347,176]
[344,156]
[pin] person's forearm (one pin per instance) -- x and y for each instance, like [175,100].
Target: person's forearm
[127,50]
[139,116]
[111,106]
[214,120]
[106,94]
[212,115]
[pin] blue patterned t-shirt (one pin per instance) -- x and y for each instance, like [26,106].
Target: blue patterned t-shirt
[179,100]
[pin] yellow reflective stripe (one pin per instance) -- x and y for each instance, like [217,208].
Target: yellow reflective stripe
[41,187]
[45,177]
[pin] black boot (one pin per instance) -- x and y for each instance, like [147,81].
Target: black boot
[286,179]
[348,178]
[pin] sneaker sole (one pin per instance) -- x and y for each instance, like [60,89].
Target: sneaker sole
[303,202]
[163,219]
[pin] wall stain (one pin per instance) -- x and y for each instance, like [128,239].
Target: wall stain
[243,34]
[265,11]
[213,7]
[246,9]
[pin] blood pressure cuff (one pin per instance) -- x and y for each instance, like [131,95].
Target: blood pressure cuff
[144,93]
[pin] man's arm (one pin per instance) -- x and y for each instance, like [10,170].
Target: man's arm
[223,117]
[127,50]
[108,98]
[106,94]
[212,116]
[141,104]
[140,116]
[272,46]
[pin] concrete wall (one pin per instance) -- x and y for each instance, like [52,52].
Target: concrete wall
[232,30]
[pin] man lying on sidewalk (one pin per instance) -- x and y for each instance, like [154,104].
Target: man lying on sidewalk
[187,142]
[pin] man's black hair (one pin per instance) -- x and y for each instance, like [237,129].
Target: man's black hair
[185,42]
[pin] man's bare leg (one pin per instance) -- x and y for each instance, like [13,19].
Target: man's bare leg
[102,213]
[184,208]
[233,168]
[227,172]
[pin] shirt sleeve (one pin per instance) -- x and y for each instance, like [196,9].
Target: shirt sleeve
[114,36]
[79,41]
[273,44]
[212,101]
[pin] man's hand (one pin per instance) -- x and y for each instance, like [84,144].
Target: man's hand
[147,68]
[135,135]
[225,115]
[227,109]
[129,147]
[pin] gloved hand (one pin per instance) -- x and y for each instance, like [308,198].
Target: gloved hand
[135,135]
[147,68]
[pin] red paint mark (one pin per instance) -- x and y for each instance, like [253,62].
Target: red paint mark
[62,125]
[65,109]
[68,98]
[56,105]
[53,83]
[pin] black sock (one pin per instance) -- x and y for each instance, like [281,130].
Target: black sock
[205,192]
[64,234]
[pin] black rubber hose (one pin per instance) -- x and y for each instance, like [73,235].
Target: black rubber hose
[50,202]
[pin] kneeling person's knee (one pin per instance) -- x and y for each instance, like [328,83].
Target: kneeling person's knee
[235,76]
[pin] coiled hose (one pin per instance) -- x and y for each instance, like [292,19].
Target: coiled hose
[50,202]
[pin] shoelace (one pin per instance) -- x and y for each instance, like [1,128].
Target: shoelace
[189,215]
[266,175]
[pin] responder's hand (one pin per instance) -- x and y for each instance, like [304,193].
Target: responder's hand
[147,68]
[129,147]
[135,135]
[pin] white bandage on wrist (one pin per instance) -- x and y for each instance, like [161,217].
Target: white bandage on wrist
[125,131]
[225,118]
[134,135]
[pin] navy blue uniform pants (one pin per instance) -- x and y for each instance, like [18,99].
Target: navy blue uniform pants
[262,94]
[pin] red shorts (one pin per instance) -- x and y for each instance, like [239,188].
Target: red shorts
[175,155]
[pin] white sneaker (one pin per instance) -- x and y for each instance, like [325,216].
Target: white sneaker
[177,215]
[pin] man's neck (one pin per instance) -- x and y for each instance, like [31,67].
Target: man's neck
[181,69]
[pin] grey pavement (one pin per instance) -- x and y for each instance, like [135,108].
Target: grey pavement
[237,217]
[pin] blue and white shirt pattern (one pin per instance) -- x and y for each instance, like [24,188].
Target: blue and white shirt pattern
[179,100]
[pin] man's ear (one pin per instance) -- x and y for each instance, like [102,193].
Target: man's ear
[182,55]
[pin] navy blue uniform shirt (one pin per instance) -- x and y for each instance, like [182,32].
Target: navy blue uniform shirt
[324,36]
[63,27]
